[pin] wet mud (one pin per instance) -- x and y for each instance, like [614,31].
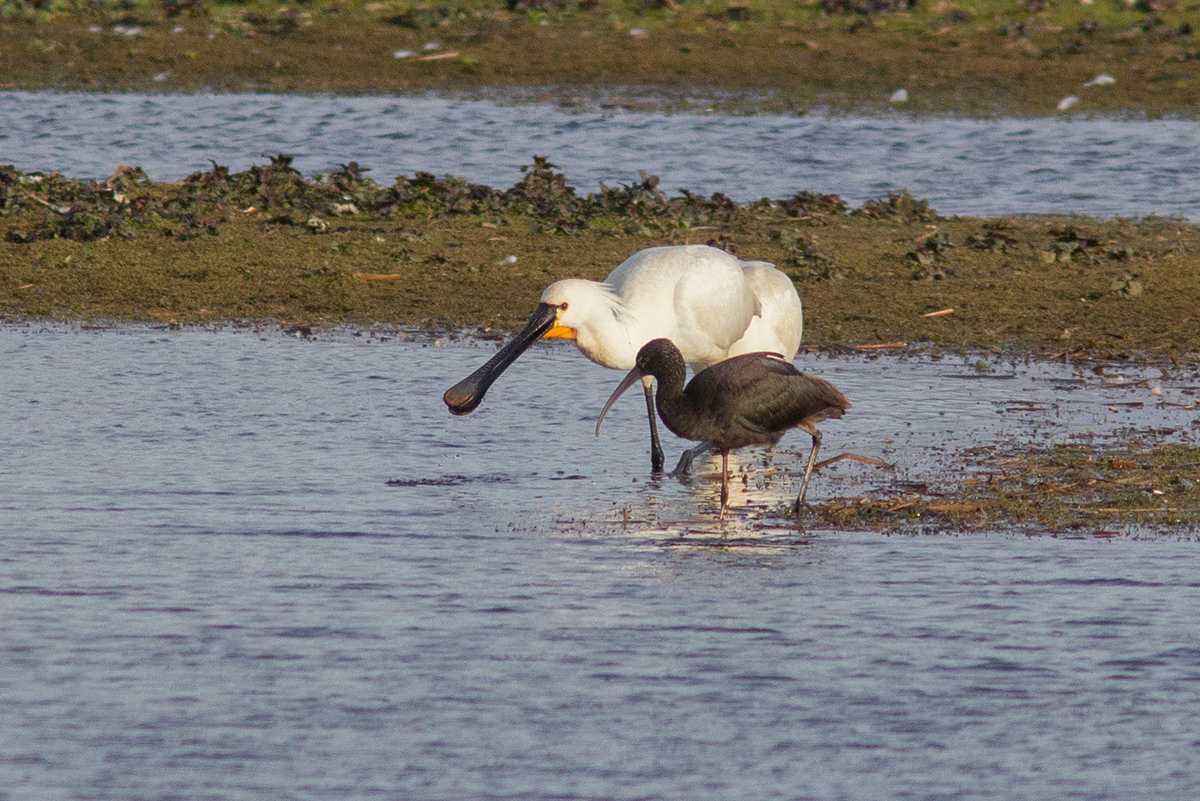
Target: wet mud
[1099,490]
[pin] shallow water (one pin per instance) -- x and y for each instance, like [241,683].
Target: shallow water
[1099,167]
[211,589]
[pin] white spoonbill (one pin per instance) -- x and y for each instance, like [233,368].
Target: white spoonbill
[709,303]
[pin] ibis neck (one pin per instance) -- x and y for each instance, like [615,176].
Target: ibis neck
[670,399]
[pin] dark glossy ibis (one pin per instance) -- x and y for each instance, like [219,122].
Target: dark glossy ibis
[752,399]
[710,303]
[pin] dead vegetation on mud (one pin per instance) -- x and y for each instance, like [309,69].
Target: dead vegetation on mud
[1069,488]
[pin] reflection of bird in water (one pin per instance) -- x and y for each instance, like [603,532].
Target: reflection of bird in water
[710,304]
[752,399]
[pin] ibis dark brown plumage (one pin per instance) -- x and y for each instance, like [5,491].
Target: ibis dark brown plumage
[751,399]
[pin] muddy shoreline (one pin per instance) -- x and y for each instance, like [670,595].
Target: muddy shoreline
[987,58]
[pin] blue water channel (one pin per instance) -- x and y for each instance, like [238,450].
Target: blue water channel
[1099,166]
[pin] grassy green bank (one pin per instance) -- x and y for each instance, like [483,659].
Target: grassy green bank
[982,57]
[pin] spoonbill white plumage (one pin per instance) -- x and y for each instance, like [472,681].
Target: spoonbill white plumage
[751,399]
[711,304]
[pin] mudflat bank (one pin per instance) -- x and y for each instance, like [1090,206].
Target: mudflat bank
[269,243]
[986,57]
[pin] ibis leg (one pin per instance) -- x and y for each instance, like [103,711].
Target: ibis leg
[724,483]
[656,451]
[812,460]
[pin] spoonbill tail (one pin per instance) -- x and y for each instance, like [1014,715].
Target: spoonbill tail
[752,399]
[710,304]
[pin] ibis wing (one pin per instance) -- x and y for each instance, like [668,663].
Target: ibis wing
[764,396]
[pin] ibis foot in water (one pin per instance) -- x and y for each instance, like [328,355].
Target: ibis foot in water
[812,460]
[796,507]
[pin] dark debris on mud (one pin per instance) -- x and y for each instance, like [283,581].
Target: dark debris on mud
[127,203]
[1062,489]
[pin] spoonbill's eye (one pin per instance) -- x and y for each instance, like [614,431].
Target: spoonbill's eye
[562,306]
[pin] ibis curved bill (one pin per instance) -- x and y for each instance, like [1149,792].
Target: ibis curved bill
[709,303]
[751,399]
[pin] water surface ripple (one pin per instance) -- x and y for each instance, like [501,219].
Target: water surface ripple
[1100,167]
[210,589]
